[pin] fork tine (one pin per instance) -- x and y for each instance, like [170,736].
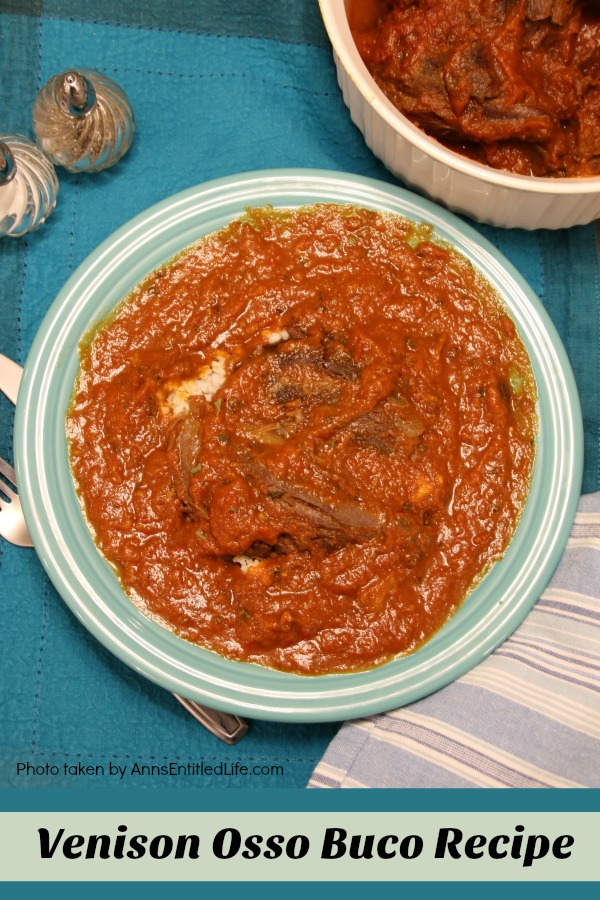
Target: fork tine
[10,495]
[12,522]
[8,472]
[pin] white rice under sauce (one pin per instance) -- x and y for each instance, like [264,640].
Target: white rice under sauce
[246,562]
[210,379]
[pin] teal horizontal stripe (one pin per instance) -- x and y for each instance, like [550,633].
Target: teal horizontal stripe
[376,800]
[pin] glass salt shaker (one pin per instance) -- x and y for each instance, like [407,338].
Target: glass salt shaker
[28,185]
[83,120]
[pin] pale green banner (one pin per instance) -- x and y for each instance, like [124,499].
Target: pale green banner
[299,846]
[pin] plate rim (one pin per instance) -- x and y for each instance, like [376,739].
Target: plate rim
[33,432]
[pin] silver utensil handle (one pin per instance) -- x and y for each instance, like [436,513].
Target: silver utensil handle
[227,727]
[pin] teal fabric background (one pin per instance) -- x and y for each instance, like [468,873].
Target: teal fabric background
[217,88]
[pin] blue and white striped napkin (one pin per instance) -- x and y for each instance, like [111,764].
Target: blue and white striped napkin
[528,716]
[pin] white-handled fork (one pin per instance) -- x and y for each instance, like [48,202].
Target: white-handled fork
[12,521]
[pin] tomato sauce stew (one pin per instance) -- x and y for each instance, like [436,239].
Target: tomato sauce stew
[514,84]
[303,441]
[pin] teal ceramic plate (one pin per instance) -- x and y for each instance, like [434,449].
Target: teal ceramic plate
[88,585]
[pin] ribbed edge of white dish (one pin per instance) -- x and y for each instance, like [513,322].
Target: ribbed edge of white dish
[508,205]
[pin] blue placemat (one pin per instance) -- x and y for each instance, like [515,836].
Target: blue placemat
[217,88]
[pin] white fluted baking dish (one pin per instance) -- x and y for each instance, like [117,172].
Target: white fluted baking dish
[464,186]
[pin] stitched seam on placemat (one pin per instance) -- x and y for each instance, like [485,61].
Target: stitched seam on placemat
[180,31]
[37,696]
[541,265]
[38,79]
[19,321]
[115,70]
[572,260]
[72,228]
[246,759]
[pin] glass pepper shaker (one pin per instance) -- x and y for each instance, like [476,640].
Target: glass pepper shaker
[83,120]
[28,185]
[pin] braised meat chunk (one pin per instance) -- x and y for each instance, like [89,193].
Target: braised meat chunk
[513,84]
